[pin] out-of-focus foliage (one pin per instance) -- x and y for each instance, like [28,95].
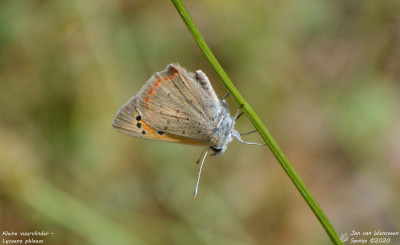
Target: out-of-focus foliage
[323,75]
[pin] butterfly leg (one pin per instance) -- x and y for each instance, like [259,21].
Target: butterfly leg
[223,100]
[253,131]
[226,95]
[202,153]
[238,113]
[237,136]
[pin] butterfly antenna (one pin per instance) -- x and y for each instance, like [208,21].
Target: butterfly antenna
[198,177]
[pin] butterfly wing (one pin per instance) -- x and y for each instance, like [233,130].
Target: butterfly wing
[129,121]
[175,106]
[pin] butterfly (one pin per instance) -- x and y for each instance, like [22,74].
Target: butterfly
[179,106]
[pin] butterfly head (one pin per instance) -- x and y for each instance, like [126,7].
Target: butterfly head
[223,131]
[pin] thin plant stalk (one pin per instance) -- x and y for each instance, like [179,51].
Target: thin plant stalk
[284,162]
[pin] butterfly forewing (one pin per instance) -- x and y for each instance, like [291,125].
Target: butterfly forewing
[174,105]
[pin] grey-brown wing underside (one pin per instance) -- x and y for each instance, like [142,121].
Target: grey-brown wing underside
[180,103]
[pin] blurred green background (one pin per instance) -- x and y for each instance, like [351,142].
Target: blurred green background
[324,76]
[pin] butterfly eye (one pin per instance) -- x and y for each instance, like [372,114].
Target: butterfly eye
[216,149]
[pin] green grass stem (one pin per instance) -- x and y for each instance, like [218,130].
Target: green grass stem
[301,187]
